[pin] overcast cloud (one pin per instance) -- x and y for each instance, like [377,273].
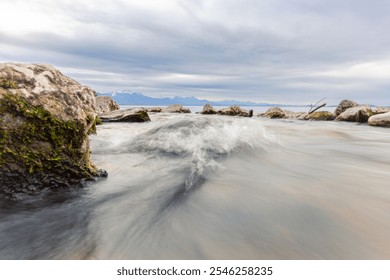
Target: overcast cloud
[290,51]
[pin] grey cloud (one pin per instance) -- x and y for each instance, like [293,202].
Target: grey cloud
[252,50]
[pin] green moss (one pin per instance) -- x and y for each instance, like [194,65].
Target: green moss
[5,83]
[143,114]
[95,121]
[41,142]
[98,121]
[321,116]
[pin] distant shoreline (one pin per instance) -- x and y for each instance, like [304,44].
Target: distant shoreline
[256,109]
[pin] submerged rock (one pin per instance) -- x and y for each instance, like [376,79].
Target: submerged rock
[320,116]
[380,120]
[105,104]
[274,113]
[234,111]
[126,115]
[344,105]
[45,119]
[176,108]
[358,114]
[208,109]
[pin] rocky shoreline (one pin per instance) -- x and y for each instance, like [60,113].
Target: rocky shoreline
[46,117]
[347,110]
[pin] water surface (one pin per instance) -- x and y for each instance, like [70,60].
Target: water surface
[213,187]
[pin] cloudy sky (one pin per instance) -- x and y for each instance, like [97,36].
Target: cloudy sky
[290,51]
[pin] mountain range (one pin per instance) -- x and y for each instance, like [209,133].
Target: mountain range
[134,98]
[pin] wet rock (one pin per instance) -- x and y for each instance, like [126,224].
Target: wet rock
[153,109]
[45,119]
[274,113]
[358,114]
[294,115]
[208,110]
[380,120]
[177,108]
[344,105]
[105,104]
[320,116]
[234,111]
[381,110]
[126,115]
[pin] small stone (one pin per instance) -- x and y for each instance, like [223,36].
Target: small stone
[380,120]
[208,109]
[176,108]
[105,104]
[344,105]
[126,115]
[234,111]
[320,116]
[275,113]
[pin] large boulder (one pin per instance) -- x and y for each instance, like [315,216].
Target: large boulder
[380,120]
[105,104]
[274,113]
[126,115]
[234,111]
[208,109]
[358,114]
[45,119]
[320,116]
[176,108]
[344,105]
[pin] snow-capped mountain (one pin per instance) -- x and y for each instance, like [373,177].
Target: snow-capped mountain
[134,98]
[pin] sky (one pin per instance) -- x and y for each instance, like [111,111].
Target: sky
[282,51]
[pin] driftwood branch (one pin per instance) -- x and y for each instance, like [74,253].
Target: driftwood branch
[315,107]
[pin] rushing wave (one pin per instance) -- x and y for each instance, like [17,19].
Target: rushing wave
[204,187]
[198,144]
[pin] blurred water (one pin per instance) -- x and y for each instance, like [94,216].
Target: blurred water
[212,187]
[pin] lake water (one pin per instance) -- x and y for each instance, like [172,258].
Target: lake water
[256,109]
[188,186]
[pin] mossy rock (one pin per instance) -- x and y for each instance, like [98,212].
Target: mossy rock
[274,113]
[321,116]
[39,150]
[7,84]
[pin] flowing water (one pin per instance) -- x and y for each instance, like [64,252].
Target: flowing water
[211,187]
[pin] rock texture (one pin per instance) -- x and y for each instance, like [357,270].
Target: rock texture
[176,108]
[380,120]
[234,111]
[208,110]
[320,116]
[381,110]
[45,119]
[105,104]
[126,115]
[344,105]
[358,114]
[274,113]
[153,109]
[294,115]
